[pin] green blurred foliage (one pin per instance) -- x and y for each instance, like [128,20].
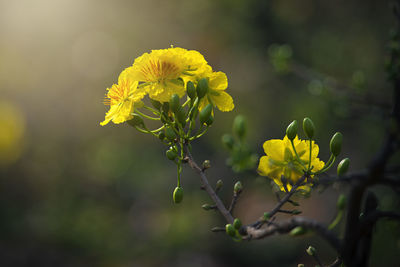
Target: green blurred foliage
[77,194]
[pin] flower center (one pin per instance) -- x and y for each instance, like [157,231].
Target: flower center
[159,71]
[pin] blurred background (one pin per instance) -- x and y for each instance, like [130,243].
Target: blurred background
[73,193]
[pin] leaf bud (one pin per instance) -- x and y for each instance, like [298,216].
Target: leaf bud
[291,130]
[343,166]
[205,113]
[207,207]
[230,230]
[238,187]
[219,184]
[170,134]
[206,164]
[341,202]
[202,87]
[308,127]
[181,116]
[228,140]
[171,154]
[300,265]
[311,251]
[174,103]
[296,212]
[178,195]
[136,121]
[336,144]
[239,126]
[161,136]
[237,223]
[155,103]
[266,216]
[191,90]
[297,231]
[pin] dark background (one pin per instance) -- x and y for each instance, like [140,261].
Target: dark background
[73,193]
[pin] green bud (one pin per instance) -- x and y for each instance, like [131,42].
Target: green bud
[210,120]
[230,230]
[205,113]
[181,116]
[336,144]
[297,231]
[228,140]
[155,103]
[266,216]
[174,103]
[136,121]
[291,130]
[202,87]
[191,90]
[311,251]
[161,136]
[207,207]
[178,195]
[219,184]
[171,154]
[296,212]
[239,126]
[343,166]
[308,127]
[206,164]
[341,202]
[237,223]
[300,265]
[170,134]
[238,187]
[165,107]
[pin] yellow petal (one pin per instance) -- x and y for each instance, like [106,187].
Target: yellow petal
[275,149]
[223,101]
[218,81]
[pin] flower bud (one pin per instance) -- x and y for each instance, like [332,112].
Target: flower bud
[181,116]
[219,184]
[170,134]
[205,113]
[341,202]
[202,87]
[174,103]
[291,130]
[178,195]
[308,127]
[161,136]
[239,126]
[237,223]
[155,103]
[210,120]
[311,251]
[191,90]
[230,230]
[207,207]
[300,265]
[171,154]
[238,187]
[336,144]
[136,121]
[228,140]
[297,231]
[206,164]
[165,107]
[343,166]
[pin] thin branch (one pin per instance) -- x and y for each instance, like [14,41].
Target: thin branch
[336,263]
[286,226]
[234,201]
[220,206]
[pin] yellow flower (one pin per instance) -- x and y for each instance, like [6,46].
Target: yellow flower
[216,95]
[281,160]
[121,98]
[164,72]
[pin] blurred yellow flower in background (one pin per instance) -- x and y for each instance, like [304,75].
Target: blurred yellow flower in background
[281,160]
[216,95]
[12,132]
[121,98]
[164,72]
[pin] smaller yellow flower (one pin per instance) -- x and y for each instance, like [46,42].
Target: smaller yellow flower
[281,160]
[216,95]
[121,98]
